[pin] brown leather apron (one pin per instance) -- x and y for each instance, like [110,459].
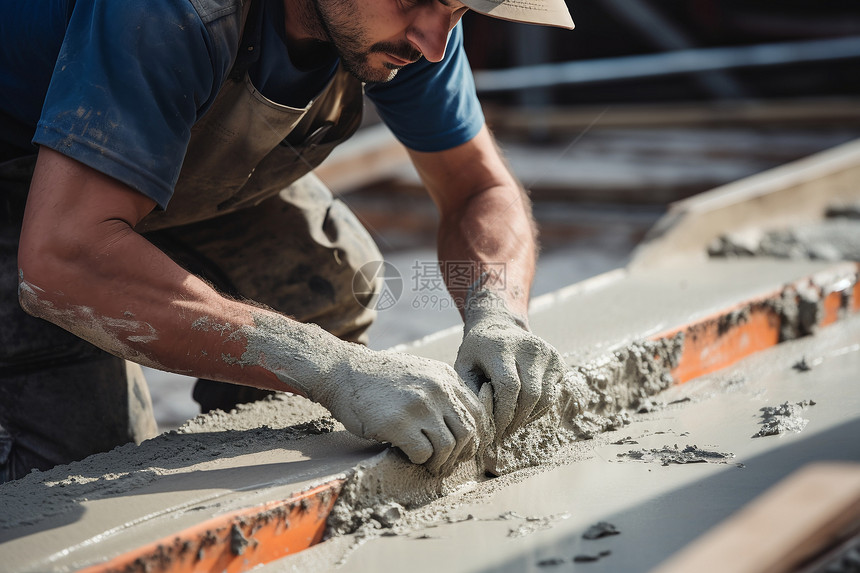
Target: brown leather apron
[248,148]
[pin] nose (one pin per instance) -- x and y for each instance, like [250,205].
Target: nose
[429,29]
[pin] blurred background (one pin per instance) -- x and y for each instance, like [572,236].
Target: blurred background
[646,102]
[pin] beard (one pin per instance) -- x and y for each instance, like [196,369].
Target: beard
[336,20]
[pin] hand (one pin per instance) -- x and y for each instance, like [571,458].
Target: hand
[522,369]
[417,404]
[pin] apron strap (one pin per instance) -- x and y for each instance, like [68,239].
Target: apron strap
[249,45]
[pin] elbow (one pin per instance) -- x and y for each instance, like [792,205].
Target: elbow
[32,288]
[44,274]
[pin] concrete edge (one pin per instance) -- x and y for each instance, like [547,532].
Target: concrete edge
[236,541]
[790,194]
[243,539]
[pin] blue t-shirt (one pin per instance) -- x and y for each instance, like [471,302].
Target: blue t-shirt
[118,84]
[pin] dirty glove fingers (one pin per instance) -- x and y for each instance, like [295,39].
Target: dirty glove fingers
[530,376]
[552,371]
[416,445]
[443,442]
[461,421]
[550,383]
[465,447]
[506,384]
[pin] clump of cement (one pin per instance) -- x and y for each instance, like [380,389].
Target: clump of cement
[843,211]
[387,515]
[805,364]
[592,399]
[551,562]
[675,455]
[532,524]
[835,238]
[799,311]
[585,558]
[783,418]
[599,530]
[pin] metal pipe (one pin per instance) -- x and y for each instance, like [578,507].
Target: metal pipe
[666,64]
[666,36]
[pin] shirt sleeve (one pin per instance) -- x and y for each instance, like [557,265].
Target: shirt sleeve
[431,106]
[130,80]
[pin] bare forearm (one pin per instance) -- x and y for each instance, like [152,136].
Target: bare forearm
[84,268]
[133,301]
[485,217]
[495,232]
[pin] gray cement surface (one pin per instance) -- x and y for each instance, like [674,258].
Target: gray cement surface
[615,309]
[536,521]
[90,510]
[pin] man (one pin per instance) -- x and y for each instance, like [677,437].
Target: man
[155,160]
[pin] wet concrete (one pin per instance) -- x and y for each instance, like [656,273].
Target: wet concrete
[88,511]
[117,501]
[613,310]
[659,509]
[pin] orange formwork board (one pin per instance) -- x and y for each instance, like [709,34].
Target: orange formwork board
[831,305]
[236,541]
[722,339]
[856,296]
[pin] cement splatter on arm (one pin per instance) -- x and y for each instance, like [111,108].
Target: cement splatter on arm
[486,222]
[84,268]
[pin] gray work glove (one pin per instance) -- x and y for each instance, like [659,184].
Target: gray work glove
[500,353]
[417,404]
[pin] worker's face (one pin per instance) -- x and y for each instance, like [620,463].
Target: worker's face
[375,38]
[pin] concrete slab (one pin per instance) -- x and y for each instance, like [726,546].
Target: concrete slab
[617,308]
[795,193]
[537,523]
[112,503]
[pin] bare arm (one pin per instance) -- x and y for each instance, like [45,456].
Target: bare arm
[83,267]
[485,216]
[486,219]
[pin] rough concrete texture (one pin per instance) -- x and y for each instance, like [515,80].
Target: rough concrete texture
[109,503]
[783,418]
[105,505]
[835,238]
[657,508]
[611,311]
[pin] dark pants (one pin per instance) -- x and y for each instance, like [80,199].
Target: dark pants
[62,399]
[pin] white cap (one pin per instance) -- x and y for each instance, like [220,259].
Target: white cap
[544,12]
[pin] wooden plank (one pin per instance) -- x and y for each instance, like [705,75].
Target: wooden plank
[810,511]
[817,111]
[795,193]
